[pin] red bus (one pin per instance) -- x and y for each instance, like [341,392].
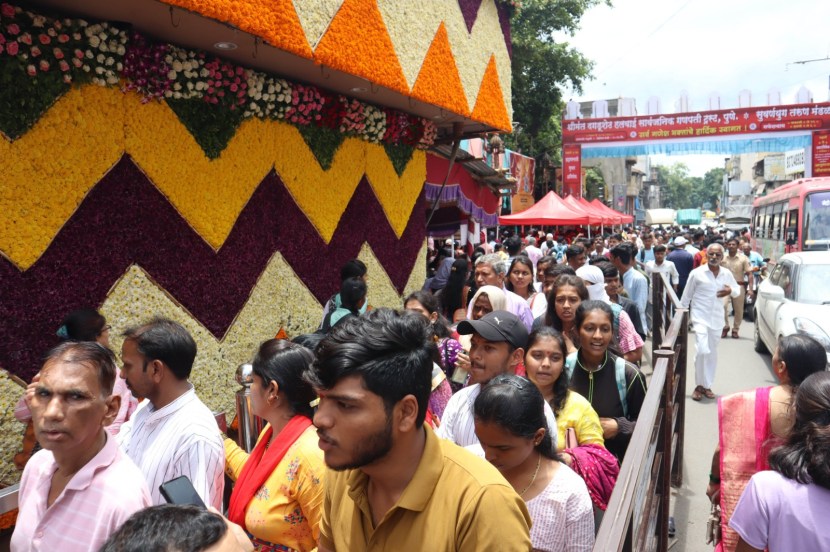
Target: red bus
[794,217]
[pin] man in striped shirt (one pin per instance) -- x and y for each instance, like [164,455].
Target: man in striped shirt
[80,488]
[175,434]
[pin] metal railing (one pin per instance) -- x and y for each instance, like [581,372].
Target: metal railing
[8,498]
[637,518]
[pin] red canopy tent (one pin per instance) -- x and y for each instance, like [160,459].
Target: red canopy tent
[593,217]
[551,210]
[621,218]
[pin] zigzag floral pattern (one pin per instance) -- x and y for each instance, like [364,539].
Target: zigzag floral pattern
[478,29]
[126,210]
[92,127]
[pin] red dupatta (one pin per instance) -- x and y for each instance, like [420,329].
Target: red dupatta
[261,464]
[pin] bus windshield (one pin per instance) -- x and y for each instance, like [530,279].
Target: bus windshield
[817,221]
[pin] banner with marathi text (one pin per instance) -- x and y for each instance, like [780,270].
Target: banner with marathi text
[572,170]
[523,170]
[821,153]
[698,124]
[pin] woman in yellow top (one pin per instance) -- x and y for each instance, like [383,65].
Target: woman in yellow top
[545,364]
[278,495]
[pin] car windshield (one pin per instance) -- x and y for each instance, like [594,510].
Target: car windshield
[817,221]
[813,284]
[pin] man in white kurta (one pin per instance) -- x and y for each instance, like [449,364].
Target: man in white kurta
[175,434]
[705,290]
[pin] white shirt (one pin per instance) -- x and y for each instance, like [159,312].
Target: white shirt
[181,438]
[534,253]
[458,425]
[667,268]
[562,514]
[701,291]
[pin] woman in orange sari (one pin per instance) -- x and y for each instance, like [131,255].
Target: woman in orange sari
[278,495]
[752,422]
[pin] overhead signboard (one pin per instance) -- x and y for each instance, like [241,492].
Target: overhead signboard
[702,124]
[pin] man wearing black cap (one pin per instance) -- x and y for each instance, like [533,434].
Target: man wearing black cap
[498,342]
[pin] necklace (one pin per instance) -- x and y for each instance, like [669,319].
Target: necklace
[597,368]
[535,473]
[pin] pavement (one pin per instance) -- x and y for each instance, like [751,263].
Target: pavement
[739,368]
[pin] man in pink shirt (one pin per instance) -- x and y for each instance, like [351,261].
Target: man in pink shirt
[80,488]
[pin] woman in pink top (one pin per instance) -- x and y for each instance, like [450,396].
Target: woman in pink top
[786,508]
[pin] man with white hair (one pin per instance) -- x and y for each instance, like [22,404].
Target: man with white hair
[629,342]
[491,270]
[705,290]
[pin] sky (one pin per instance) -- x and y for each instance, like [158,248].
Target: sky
[645,48]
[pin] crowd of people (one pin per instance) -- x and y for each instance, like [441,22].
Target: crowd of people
[491,411]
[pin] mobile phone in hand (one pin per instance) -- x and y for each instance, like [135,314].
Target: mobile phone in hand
[181,491]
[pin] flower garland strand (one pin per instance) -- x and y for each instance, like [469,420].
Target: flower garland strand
[74,51]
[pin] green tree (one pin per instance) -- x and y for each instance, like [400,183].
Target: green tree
[682,191]
[594,184]
[676,184]
[542,67]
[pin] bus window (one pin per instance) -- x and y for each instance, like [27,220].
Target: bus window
[778,221]
[817,221]
[792,228]
[770,221]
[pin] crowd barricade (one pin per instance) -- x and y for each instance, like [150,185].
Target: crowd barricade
[637,518]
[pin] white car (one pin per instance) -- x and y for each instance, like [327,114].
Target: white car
[795,298]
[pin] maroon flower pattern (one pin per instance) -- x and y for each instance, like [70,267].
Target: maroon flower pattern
[126,220]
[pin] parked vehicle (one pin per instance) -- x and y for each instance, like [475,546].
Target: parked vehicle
[794,217]
[795,298]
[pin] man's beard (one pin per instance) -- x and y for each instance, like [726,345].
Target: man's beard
[370,449]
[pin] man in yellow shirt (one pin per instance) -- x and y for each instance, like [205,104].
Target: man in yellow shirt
[394,485]
[739,265]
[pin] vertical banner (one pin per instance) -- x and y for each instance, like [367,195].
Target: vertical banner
[572,170]
[523,170]
[821,153]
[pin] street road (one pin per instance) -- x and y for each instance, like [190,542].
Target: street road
[739,368]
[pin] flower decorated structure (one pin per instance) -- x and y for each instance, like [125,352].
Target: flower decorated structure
[58,52]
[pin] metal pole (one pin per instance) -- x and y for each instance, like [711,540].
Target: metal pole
[250,426]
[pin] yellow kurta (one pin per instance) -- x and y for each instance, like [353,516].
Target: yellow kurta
[580,415]
[286,510]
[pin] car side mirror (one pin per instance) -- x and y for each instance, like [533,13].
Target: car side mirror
[773,293]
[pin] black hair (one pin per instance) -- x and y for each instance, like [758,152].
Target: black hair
[573,251]
[310,340]
[618,237]
[520,259]
[513,245]
[516,405]
[623,252]
[167,341]
[168,527]
[560,386]
[82,325]
[556,270]
[354,268]
[451,297]
[431,304]
[91,354]
[589,306]
[352,291]
[546,260]
[802,356]
[659,248]
[391,351]
[285,363]
[608,269]
[805,457]
[552,319]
